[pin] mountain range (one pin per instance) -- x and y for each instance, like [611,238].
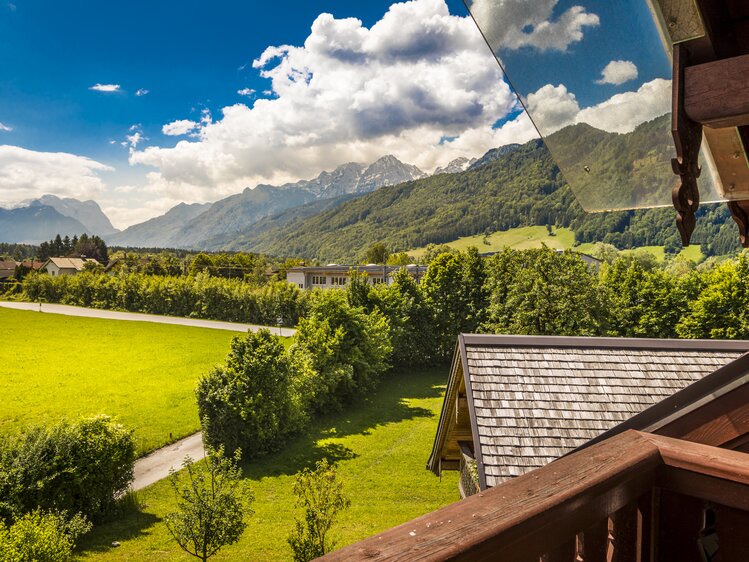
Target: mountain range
[192,226]
[42,219]
[336,215]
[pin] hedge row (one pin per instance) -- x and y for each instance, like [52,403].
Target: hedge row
[199,296]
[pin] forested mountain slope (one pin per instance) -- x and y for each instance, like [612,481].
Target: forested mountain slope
[522,187]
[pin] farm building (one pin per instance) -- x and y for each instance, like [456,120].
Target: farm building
[334,276]
[7,269]
[66,266]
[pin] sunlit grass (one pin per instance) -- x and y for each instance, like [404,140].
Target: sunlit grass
[380,445]
[141,373]
[521,238]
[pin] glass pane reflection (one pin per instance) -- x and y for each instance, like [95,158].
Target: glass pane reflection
[595,78]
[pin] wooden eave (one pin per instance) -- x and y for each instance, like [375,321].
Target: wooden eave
[457,422]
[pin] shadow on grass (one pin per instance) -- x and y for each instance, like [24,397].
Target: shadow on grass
[388,404]
[131,522]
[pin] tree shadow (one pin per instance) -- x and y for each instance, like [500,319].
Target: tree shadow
[130,522]
[389,403]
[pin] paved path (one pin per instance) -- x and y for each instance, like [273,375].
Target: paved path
[156,466]
[138,317]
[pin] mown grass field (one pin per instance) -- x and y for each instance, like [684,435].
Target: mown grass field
[520,238]
[141,373]
[381,446]
[527,237]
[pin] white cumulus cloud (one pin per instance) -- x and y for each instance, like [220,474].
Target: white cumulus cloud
[142,92]
[27,174]
[105,87]
[349,93]
[618,72]
[5,128]
[514,24]
[179,127]
[554,107]
[246,92]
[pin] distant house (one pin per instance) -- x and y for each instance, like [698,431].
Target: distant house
[516,403]
[334,276]
[66,266]
[7,269]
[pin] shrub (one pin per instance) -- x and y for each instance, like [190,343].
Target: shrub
[74,467]
[339,351]
[211,507]
[41,537]
[319,494]
[247,403]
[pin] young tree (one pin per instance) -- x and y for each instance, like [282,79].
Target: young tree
[320,495]
[212,506]
[41,536]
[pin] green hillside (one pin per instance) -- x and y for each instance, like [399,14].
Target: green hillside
[521,188]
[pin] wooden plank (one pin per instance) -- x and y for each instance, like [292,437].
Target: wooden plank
[707,488]
[565,552]
[595,542]
[521,518]
[677,540]
[716,423]
[731,526]
[716,93]
[723,464]
[626,534]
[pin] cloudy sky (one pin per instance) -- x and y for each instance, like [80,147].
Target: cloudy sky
[194,103]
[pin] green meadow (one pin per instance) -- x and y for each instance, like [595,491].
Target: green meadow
[528,237]
[141,373]
[380,445]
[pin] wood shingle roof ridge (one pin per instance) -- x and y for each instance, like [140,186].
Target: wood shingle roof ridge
[597,342]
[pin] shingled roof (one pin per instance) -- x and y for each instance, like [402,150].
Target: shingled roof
[524,401]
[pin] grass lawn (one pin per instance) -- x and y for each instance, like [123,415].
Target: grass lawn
[141,373]
[527,237]
[521,238]
[381,446]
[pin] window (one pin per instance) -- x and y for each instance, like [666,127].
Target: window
[338,281]
[301,285]
[376,280]
[318,280]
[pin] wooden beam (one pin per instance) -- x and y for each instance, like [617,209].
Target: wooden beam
[716,94]
[717,423]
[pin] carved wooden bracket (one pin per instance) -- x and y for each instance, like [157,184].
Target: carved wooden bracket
[740,213]
[687,139]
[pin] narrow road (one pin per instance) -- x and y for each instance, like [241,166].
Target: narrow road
[138,317]
[156,466]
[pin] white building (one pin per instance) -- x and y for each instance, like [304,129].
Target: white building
[66,266]
[333,276]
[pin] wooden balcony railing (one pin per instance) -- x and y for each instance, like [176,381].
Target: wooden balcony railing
[635,497]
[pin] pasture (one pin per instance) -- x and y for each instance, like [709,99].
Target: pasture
[380,445]
[142,374]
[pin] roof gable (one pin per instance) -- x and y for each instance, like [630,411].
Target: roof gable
[533,399]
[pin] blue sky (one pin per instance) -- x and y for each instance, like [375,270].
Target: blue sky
[140,105]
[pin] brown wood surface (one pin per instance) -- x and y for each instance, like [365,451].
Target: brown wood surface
[526,516]
[716,93]
[677,540]
[534,514]
[721,421]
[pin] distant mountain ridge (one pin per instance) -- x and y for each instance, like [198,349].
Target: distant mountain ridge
[158,232]
[88,213]
[237,213]
[35,224]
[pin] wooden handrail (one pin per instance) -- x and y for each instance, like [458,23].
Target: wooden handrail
[531,515]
